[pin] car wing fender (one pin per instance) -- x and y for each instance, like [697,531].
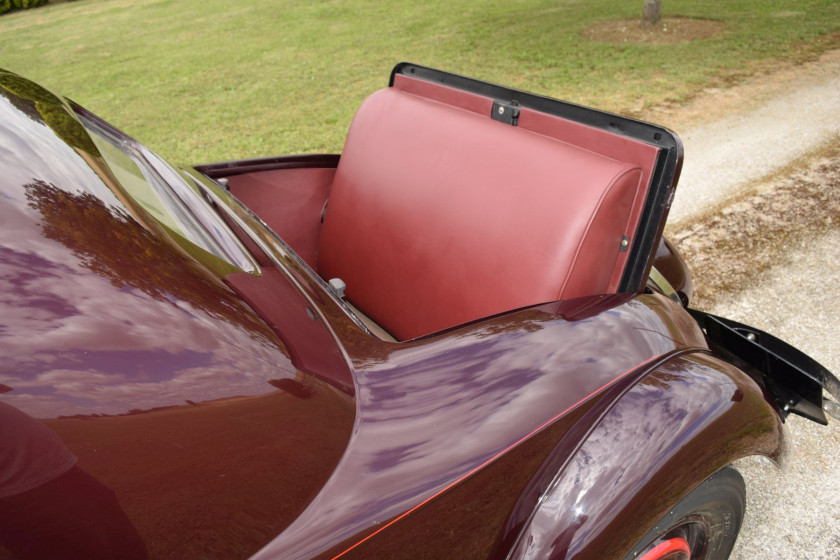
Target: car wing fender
[665,434]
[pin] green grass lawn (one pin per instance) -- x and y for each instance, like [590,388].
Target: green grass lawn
[207,80]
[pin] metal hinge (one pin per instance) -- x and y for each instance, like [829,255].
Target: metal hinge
[506,112]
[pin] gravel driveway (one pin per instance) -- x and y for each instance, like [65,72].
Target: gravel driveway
[756,212]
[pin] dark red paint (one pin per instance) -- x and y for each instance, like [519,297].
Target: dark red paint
[669,262]
[195,413]
[159,382]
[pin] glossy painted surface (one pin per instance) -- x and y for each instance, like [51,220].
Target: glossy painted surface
[203,428]
[162,386]
[670,263]
[667,434]
[432,411]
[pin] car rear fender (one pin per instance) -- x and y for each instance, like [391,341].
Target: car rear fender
[669,431]
[670,264]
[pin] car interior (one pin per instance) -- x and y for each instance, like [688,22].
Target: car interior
[442,210]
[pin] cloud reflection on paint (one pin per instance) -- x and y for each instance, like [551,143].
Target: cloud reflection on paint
[97,314]
[439,408]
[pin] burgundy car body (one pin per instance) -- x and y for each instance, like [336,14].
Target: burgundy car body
[160,400]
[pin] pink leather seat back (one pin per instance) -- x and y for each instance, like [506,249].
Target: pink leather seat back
[440,215]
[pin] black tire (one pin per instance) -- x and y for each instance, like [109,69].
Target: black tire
[708,519]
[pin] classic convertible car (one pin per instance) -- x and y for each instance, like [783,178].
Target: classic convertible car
[464,337]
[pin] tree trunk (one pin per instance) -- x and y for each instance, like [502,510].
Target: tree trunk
[652,13]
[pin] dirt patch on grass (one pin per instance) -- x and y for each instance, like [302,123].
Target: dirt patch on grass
[668,30]
[736,243]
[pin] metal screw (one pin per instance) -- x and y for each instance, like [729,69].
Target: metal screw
[501,110]
[625,242]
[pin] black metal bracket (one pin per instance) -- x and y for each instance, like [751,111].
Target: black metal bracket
[794,379]
[505,112]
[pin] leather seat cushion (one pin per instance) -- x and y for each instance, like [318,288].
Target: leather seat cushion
[439,216]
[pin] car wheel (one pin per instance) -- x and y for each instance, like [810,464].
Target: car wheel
[703,526]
